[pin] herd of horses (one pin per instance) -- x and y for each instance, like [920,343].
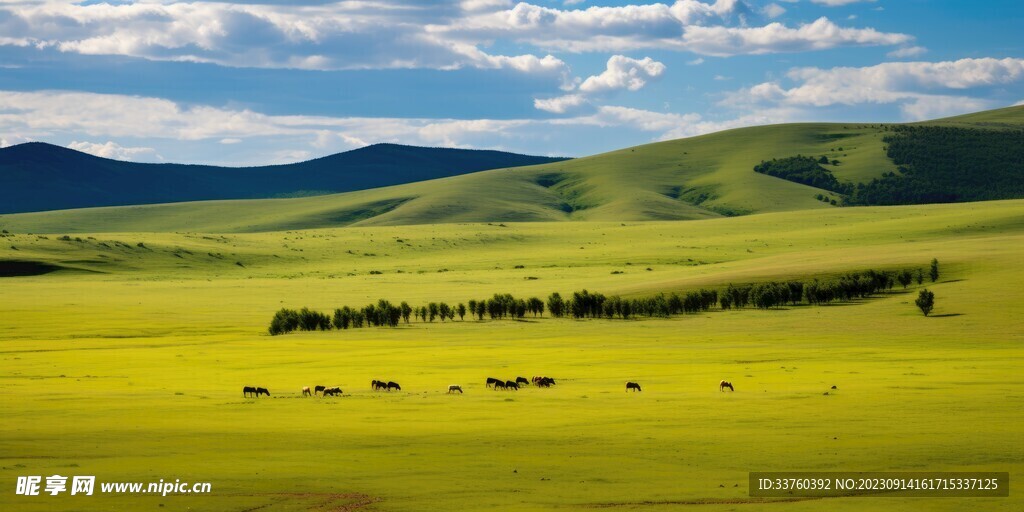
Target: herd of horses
[378,385]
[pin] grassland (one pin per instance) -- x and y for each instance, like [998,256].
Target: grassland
[687,179]
[128,362]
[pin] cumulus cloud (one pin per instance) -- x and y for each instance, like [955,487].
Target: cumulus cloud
[821,34]
[922,89]
[115,151]
[560,104]
[623,73]
[686,25]
[337,36]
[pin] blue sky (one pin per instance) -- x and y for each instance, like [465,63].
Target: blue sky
[245,83]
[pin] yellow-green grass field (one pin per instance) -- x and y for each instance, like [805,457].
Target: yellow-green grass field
[128,364]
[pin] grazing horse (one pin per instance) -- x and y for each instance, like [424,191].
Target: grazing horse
[393,385]
[262,391]
[379,385]
[335,391]
[633,385]
[725,384]
[499,384]
[512,385]
[306,391]
[523,381]
[453,388]
[546,382]
[319,389]
[491,381]
[247,390]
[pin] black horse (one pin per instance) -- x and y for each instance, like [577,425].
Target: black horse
[262,391]
[523,381]
[725,384]
[247,390]
[545,382]
[393,385]
[512,385]
[335,391]
[379,385]
[319,389]
[499,384]
[491,381]
[633,385]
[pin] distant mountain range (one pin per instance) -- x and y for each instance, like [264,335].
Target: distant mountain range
[37,176]
[973,157]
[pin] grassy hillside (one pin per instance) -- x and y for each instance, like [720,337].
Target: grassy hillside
[694,178]
[127,363]
[38,176]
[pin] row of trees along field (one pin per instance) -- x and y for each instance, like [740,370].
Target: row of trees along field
[586,304]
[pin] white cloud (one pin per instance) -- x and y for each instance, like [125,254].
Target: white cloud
[13,139]
[686,25]
[821,34]
[236,137]
[387,34]
[907,52]
[560,104]
[623,73]
[695,62]
[921,89]
[115,151]
[773,10]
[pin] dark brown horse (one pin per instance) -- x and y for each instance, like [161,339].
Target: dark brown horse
[319,389]
[262,391]
[247,390]
[512,385]
[453,388]
[545,382]
[378,385]
[393,385]
[725,384]
[633,385]
[492,381]
[500,384]
[335,391]
[523,381]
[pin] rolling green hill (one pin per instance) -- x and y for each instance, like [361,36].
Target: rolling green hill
[694,178]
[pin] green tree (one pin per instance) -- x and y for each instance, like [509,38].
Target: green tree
[432,309]
[904,278]
[556,305]
[461,309]
[406,311]
[925,301]
[934,272]
[919,276]
[445,310]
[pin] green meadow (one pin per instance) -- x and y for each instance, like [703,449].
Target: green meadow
[127,363]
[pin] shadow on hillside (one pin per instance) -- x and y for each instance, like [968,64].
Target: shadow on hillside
[945,315]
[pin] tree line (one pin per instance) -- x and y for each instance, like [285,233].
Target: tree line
[586,304]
